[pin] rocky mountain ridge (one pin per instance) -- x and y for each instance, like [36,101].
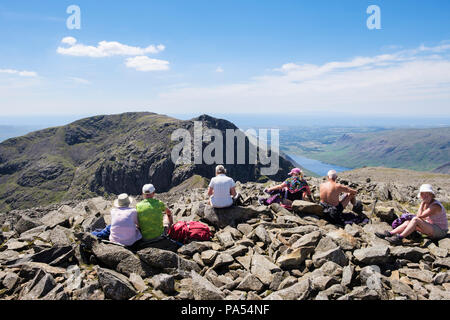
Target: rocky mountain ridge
[257,252]
[106,155]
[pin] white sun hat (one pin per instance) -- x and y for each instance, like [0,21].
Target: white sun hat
[123,201]
[426,188]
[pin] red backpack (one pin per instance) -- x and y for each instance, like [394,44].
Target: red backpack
[185,232]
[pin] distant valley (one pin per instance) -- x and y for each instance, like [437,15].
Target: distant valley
[416,149]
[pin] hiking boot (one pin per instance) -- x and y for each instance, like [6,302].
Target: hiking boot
[383,235]
[395,240]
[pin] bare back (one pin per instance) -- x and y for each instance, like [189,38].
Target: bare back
[330,192]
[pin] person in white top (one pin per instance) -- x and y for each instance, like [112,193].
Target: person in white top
[222,189]
[124,222]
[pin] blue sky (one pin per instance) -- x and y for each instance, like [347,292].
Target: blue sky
[225,56]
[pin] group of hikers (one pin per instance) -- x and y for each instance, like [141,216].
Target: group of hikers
[148,223]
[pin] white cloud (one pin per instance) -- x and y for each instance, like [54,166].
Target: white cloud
[105,49]
[219,69]
[69,40]
[80,80]
[19,73]
[408,81]
[144,63]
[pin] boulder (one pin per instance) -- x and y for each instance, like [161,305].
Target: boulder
[386,214]
[335,255]
[115,285]
[299,291]
[163,282]
[305,207]
[250,283]
[26,223]
[220,218]
[372,255]
[191,248]
[414,254]
[308,240]
[262,268]
[294,259]
[343,239]
[205,290]
[42,284]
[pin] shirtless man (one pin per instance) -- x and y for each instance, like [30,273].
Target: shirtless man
[330,192]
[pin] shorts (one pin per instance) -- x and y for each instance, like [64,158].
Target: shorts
[295,196]
[438,233]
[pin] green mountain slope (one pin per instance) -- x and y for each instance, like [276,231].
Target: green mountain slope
[416,149]
[105,155]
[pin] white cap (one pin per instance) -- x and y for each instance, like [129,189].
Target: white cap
[332,174]
[148,189]
[426,188]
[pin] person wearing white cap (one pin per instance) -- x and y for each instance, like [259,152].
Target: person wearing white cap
[222,189]
[296,186]
[431,219]
[330,194]
[151,214]
[124,222]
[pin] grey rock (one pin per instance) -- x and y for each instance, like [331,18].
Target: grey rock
[442,262]
[26,223]
[299,291]
[225,239]
[250,283]
[413,254]
[205,290]
[363,293]
[323,282]
[326,244]
[347,275]
[442,277]
[262,268]
[209,256]
[10,281]
[308,240]
[262,234]
[295,258]
[115,285]
[372,255]
[335,255]
[305,207]
[193,247]
[444,243]
[237,251]
[286,283]
[422,275]
[164,282]
[42,284]
[137,282]
[403,289]
[223,259]
[57,294]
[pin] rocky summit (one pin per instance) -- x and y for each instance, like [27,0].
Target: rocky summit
[257,252]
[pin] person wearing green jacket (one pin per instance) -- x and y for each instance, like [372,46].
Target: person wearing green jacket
[151,214]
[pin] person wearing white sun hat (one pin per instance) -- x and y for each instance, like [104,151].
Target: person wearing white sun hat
[124,221]
[431,219]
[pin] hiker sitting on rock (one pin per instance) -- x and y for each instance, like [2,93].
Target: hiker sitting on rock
[152,223]
[124,222]
[296,186]
[222,189]
[431,219]
[330,196]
